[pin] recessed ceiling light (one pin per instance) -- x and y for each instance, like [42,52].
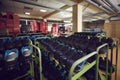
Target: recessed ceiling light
[27,13]
[43,10]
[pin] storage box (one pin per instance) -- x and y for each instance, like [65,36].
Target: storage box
[44,27]
[9,23]
[2,25]
[16,29]
[4,31]
[10,30]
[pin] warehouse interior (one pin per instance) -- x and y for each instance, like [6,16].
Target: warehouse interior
[59,39]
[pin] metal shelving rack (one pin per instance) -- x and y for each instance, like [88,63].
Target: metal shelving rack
[116,44]
[31,70]
[87,66]
[40,58]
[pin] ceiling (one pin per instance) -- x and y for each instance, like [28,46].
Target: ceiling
[62,9]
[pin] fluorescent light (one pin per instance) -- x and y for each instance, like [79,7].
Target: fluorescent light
[43,10]
[27,13]
[67,21]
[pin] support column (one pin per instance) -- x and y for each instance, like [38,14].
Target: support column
[77,18]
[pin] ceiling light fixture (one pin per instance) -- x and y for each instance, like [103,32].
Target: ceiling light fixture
[67,21]
[27,13]
[43,10]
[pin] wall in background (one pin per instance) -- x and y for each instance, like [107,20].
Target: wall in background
[94,24]
[113,29]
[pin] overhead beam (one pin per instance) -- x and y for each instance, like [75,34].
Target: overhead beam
[82,2]
[67,2]
[111,15]
[93,7]
[63,8]
[56,11]
[78,1]
[38,5]
[100,11]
